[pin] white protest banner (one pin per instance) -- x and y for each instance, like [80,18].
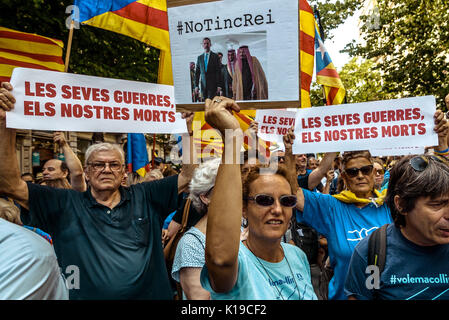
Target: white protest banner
[258,41]
[365,126]
[58,101]
[396,151]
[273,124]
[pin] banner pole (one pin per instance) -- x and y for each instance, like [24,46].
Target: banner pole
[154,151]
[66,67]
[69,46]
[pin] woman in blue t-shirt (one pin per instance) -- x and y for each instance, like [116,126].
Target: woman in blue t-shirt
[346,218]
[417,244]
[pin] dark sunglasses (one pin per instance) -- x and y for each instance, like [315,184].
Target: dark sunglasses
[354,172]
[420,163]
[266,200]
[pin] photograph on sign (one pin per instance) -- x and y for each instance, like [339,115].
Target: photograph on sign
[247,51]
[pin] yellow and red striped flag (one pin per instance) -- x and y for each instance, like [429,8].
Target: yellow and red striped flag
[307,50]
[22,49]
[326,74]
[144,20]
[208,142]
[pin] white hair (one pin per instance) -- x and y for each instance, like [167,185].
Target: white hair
[203,180]
[104,146]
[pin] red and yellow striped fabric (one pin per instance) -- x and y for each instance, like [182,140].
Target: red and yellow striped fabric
[21,49]
[326,73]
[146,21]
[307,50]
[208,142]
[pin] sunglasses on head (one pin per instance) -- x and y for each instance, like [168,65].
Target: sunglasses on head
[354,172]
[266,200]
[420,163]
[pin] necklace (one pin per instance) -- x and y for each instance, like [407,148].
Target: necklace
[266,271]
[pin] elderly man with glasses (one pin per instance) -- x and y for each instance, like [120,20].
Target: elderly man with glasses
[110,234]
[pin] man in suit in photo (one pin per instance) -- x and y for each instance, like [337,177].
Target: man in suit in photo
[208,72]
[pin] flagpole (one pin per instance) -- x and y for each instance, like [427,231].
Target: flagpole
[66,67]
[69,46]
[321,31]
[154,151]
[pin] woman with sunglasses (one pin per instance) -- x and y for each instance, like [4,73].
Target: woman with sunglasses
[379,174]
[261,267]
[348,217]
[417,244]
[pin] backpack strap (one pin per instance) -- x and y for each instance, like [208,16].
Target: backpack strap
[185,215]
[377,248]
[170,248]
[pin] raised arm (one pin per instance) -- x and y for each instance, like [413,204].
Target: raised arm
[290,163]
[73,163]
[225,208]
[189,162]
[442,129]
[10,183]
[320,172]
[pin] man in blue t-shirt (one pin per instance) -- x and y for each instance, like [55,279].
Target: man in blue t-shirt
[417,250]
[310,179]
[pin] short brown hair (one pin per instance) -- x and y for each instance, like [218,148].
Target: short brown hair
[349,155]
[410,185]
[255,172]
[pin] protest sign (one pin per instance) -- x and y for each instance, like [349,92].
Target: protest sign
[273,124]
[365,126]
[396,151]
[258,42]
[48,100]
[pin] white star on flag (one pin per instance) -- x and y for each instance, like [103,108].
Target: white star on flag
[321,48]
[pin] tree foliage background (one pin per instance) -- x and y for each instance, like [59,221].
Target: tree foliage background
[407,42]
[94,51]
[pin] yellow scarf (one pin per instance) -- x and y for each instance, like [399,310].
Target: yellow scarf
[347,196]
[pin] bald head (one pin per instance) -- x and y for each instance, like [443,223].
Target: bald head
[54,169]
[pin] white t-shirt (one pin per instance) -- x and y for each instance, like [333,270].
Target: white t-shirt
[28,266]
[262,280]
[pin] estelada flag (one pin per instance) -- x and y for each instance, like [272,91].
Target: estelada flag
[28,50]
[326,74]
[144,20]
[137,154]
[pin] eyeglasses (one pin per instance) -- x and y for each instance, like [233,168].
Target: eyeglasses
[266,200]
[420,163]
[100,166]
[354,172]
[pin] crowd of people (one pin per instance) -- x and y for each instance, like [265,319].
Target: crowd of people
[302,229]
